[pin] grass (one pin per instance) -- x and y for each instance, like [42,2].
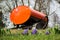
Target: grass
[16,35]
[27,37]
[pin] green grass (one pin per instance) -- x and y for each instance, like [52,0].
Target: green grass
[27,37]
[39,36]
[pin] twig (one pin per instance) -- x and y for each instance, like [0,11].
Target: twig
[16,3]
[35,4]
[22,2]
[8,6]
[28,3]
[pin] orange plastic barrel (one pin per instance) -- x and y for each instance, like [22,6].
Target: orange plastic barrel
[20,14]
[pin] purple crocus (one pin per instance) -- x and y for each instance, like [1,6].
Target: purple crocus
[47,32]
[34,31]
[25,32]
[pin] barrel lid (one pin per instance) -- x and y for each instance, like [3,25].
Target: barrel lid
[20,14]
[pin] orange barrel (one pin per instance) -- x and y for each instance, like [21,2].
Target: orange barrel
[39,15]
[20,14]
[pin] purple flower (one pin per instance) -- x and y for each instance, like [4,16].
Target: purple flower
[25,31]
[47,33]
[34,31]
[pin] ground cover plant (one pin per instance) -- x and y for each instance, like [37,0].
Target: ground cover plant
[14,34]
